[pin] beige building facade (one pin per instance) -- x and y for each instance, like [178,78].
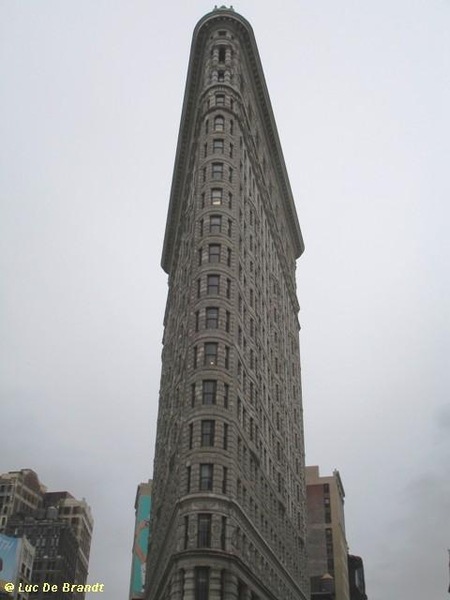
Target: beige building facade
[228,516]
[326,540]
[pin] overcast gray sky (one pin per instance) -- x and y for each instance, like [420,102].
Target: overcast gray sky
[91,96]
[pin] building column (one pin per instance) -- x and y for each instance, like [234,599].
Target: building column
[215,584]
[176,585]
[189,584]
[231,586]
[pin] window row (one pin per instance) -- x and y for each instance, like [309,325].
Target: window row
[219,99]
[218,147]
[217,225]
[204,530]
[215,255]
[208,434]
[215,285]
[211,319]
[211,355]
[218,171]
[206,478]
[217,198]
[209,389]
[219,125]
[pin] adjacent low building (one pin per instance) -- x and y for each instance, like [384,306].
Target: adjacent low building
[326,541]
[57,525]
[142,507]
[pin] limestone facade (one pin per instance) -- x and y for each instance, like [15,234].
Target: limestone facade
[228,508]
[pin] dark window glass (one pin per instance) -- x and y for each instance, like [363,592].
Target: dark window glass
[207,437]
[186,532]
[221,76]
[216,196]
[213,286]
[204,531]
[188,479]
[206,478]
[210,353]
[201,583]
[223,533]
[209,391]
[221,55]
[219,123]
[191,435]
[215,224]
[194,360]
[218,145]
[228,292]
[217,170]
[227,321]
[220,99]
[214,253]
[212,318]
[227,357]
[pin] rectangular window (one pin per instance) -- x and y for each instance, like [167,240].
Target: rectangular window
[231,127]
[227,357]
[226,394]
[225,436]
[217,170]
[228,292]
[227,321]
[230,225]
[200,256]
[202,583]
[223,533]
[214,253]
[229,257]
[206,478]
[231,150]
[218,145]
[216,196]
[212,318]
[219,123]
[193,395]
[204,531]
[213,284]
[230,200]
[194,360]
[230,174]
[220,99]
[210,358]
[209,391]
[186,532]
[208,429]
[188,480]
[215,224]
[191,435]
[197,320]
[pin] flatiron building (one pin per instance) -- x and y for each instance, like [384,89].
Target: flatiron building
[228,501]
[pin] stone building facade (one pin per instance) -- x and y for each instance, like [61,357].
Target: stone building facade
[326,539]
[228,514]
